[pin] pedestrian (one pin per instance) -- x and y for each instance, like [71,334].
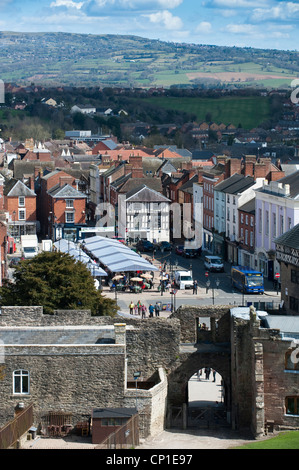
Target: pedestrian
[207,372]
[157,309]
[195,287]
[143,310]
[199,372]
[131,307]
[214,375]
[135,309]
[151,310]
[139,305]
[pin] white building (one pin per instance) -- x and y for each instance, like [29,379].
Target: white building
[198,213]
[84,109]
[276,212]
[229,195]
[144,212]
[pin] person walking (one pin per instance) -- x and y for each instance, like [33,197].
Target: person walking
[131,307]
[151,310]
[214,375]
[207,372]
[139,305]
[143,310]
[195,287]
[157,309]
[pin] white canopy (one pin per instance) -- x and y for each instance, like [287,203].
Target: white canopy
[115,255]
[66,246]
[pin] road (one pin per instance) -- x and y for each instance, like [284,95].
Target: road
[223,295]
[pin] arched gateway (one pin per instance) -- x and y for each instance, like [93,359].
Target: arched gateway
[205,343]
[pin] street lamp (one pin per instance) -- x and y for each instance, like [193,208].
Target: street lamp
[217,282]
[136,376]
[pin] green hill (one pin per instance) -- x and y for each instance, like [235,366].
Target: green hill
[104,60]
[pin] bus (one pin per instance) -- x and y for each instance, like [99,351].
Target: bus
[247,280]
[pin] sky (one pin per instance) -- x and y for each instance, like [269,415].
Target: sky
[270,24]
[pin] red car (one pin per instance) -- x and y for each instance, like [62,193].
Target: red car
[179,249]
[119,239]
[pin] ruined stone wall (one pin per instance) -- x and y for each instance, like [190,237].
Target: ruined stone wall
[189,316]
[241,373]
[279,384]
[74,379]
[77,378]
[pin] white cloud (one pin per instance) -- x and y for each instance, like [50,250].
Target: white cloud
[236,3]
[285,11]
[241,28]
[67,4]
[113,6]
[166,19]
[204,27]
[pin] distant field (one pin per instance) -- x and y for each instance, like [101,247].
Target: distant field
[248,111]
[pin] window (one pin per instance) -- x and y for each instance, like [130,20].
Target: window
[260,220]
[274,225]
[292,405]
[21,382]
[22,214]
[294,276]
[267,223]
[281,229]
[251,239]
[289,223]
[69,203]
[294,304]
[21,201]
[246,219]
[251,221]
[69,217]
[242,218]
[111,422]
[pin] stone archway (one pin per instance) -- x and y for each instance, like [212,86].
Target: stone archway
[209,355]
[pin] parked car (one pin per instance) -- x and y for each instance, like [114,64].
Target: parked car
[214,263]
[179,249]
[145,245]
[165,246]
[190,253]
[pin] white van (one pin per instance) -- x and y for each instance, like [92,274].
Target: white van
[183,279]
[214,263]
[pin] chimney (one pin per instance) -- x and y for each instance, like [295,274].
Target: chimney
[136,166]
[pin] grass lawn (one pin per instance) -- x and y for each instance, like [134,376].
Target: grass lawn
[285,440]
[247,111]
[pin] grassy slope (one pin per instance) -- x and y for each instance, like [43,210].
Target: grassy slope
[249,111]
[288,440]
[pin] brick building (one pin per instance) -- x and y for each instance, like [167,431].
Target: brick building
[20,204]
[246,240]
[287,254]
[56,210]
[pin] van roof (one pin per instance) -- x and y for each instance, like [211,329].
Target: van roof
[213,257]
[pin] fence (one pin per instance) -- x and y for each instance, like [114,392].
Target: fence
[13,430]
[126,437]
[57,423]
